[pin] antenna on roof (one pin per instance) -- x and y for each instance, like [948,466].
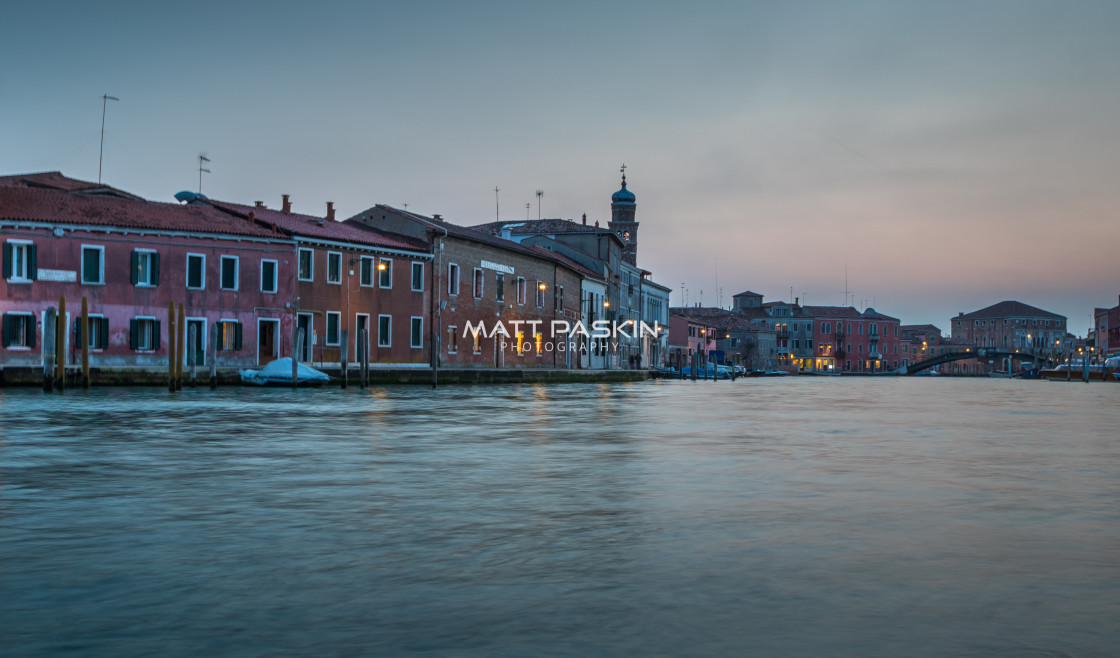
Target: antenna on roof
[496,214]
[527,211]
[105,98]
[540,193]
[201,158]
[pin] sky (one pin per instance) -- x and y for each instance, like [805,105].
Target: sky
[930,158]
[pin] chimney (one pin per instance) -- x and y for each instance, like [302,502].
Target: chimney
[438,218]
[330,211]
[259,204]
[596,223]
[252,216]
[286,205]
[796,301]
[585,219]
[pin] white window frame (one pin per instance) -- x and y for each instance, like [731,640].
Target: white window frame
[327,329]
[205,335]
[337,281]
[415,264]
[101,272]
[388,271]
[222,272]
[539,293]
[478,283]
[453,281]
[27,245]
[85,338]
[356,323]
[310,264]
[149,253]
[158,339]
[371,262]
[202,271]
[522,288]
[453,341]
[411,322]
[388,334]
[275,276]
[221,346]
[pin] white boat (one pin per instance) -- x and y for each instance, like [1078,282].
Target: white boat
[279,373]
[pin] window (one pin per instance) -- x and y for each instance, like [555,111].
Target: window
[19,330]
[452,279]
[229,335]
[333,320]
[500,287]
[196,271]
[416,334]
[269,276]
[334,267]
[19,261]
[477,283]
[559,298]
[229,273]
[385,273]
[384,325]
[453,339]
[540,294]
[145,268]
[522,289]
[98,332]
[93,265]
[540,343]
[143,334]
[520,343]
[477,348]
[366,275]
[418,277]
[306,271]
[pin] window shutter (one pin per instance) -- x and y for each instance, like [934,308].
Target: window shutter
[33,262]
[7,268]
[78,332]
[237,336]
[6,328]
[155,269]
[133,334]
[104,333]
[135,276]
[157,338]
[30,325]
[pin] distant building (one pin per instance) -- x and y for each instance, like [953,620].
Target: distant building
[848,340]
[1010,326]
[1107,331]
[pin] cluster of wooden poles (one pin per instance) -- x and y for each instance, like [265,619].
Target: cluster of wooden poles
[55,327]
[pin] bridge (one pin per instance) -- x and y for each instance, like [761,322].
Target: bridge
[982,353]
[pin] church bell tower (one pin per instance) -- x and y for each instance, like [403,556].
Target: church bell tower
[623,204]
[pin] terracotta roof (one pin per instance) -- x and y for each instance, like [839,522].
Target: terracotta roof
[58,207]
[829,312]
[566,262]
[535,226]
[1009,309]
[310,226]
[871,314]
[55,180]
[720,318]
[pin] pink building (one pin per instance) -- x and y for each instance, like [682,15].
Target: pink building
[129,259]
[846,340]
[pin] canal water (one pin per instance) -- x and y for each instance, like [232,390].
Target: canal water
[765,517]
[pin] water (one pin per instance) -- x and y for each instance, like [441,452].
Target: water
[792,517]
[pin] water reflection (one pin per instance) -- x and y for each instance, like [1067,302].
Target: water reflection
[855,517]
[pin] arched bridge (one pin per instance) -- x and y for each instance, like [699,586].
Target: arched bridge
[982,353]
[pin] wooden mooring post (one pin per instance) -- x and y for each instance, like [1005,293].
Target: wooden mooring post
[345,356]
[171,346]
[363,358]
[297,350]
[60,345]
[192,351]
[181,330]
[212,355]
[50,361]
[84,334]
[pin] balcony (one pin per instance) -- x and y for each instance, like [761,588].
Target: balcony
[839,336]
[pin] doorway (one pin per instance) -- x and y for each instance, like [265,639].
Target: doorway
[196,336]
[268,341]
[303,321]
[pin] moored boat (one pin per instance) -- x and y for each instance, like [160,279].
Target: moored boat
[279,373]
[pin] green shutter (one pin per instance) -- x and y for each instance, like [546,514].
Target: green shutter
[7,266]
[158,340]
[135,276]
[33,262]
[78,332]
[104,333]
[237,336]
[30,342]
[133,334]
[5,328]
[155,269]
